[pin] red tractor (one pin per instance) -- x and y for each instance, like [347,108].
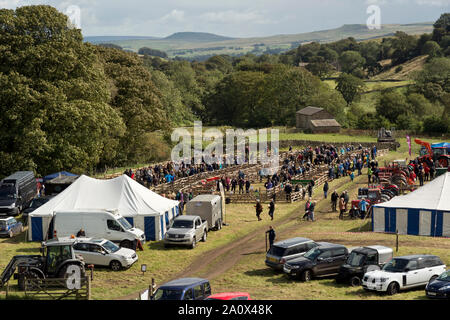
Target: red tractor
[373,195]
[438,152]
[396,174]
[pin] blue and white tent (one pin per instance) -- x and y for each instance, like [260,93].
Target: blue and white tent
[424,212]
[143,208]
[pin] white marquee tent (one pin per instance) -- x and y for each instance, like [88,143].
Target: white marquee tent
[425,211]
[143,208]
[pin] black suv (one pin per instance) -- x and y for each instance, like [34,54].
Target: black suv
[324,260]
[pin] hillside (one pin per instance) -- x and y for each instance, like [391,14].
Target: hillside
[407,69]
[111,39]
[195,44]
[196,37]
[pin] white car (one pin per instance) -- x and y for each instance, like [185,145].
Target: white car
[103,252]
[404,273]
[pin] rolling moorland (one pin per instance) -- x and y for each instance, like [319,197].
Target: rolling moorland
[194,45]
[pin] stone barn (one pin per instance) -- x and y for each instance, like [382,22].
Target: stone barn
[316,120]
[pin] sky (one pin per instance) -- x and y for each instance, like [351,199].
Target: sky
[234,18]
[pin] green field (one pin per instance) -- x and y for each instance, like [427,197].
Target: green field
[248,271]
[245,45]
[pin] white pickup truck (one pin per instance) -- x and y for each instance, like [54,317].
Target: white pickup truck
[186,231]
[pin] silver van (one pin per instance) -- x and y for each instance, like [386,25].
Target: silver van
[286,250]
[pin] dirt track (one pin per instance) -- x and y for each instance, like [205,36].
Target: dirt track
[215,262]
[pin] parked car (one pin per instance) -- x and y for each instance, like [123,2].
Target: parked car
[439,288]
[184,289]
[404,273]
[99,224]
[362,260]
[35,203]
[10,227]
[287,250]
[103,252]
[208,207]
[186,231]
[323,260]
[230,296]
[16,192]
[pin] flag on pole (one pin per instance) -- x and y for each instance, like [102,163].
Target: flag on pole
[408,139]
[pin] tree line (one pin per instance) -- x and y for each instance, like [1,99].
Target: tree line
[70,105]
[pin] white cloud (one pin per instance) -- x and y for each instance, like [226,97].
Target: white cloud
[174,15]
[231,16]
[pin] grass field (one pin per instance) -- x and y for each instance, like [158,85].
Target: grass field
[250,273]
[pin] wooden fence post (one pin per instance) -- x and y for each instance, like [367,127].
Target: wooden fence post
[88,288]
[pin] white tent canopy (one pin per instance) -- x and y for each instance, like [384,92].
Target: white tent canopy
[435,195]
[425,211]
[122,194]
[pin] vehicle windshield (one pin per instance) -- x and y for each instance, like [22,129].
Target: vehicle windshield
[445,276]
[125,224]
[184,224]
[396,265]
[168,294]
[7,191]
[356,259]
[439,151]
[313,254]
[36,203]
[277,251]
[372,195]
[110,247]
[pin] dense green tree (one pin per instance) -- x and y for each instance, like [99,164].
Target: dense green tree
[392,104]
[350,87]
[351,61]
[136,97]
[152,52]
[434,80]
[432,49]
[441,27]
[54,111]
[405,47]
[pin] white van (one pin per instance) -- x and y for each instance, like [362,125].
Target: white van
[97,224]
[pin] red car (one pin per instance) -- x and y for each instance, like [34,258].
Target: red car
[230,296]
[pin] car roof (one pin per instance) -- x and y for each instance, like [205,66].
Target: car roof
[291,242]
[326,245]
[186,217]
[6,218]
[182,283]
[90,240]
[227,295]
[416,256]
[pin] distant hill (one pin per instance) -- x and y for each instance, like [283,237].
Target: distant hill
[196,36]
[111,39]
[198,45]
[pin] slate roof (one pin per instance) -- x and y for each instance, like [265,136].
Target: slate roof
[309,111]
[325,123]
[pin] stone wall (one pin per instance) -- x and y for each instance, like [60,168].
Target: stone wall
[305,143]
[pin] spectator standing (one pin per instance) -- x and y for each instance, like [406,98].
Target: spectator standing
[325,189]
[341,207]
[271,209]
[311,211]
[272,236]
[259,209]
[334,200]
[363,208]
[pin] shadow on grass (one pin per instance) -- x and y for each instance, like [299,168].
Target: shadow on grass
[365,227]
[252,253]
[30,250]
